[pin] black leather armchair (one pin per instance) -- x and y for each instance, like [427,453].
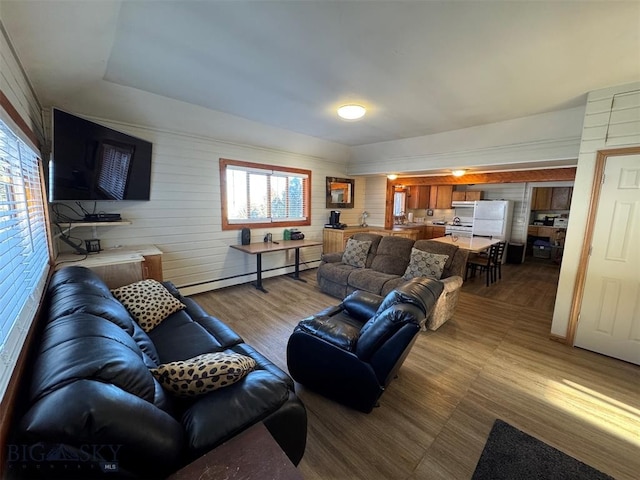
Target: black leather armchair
[351,352]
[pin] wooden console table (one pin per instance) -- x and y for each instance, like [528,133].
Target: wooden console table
[252,455]
[258,249]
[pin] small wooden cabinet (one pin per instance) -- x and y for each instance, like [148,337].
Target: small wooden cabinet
[418,197]
[466,196]
[561,198]
[440,196]
[120,266]
[541,199]
[432,231]
[551,198]
[437,232]
[334,240]
[152,267]
[552,233]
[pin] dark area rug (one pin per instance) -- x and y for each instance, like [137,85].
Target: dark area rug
[513,455]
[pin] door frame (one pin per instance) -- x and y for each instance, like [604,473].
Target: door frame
[583,263]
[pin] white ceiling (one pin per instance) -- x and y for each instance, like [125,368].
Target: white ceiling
[420,67]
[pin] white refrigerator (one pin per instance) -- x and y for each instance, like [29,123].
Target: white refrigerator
[493,217]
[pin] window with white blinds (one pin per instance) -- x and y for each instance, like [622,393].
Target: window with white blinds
[24,253]
[261,195]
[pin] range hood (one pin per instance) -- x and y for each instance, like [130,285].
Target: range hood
[463,203]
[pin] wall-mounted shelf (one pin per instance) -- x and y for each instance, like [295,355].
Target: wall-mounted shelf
[68,226]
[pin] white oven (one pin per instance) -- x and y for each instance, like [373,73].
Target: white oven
[459,230]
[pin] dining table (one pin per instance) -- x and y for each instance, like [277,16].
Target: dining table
[473,244]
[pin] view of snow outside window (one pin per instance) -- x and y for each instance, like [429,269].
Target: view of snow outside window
[262,197]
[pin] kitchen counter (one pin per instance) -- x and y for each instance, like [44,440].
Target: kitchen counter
[335,240]
[547,226]
[422,224]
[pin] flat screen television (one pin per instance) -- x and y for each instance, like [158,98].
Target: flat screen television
[93,162]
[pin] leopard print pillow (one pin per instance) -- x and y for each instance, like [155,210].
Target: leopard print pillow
[204,373]
[148,302]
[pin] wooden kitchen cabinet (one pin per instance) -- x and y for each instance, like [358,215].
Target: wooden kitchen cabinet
[335,240]
[551,198]
[552,233]
[440,196]
[411,233]
[433,232]
[438,232]
[472,196]
[547,232]
[541,199]
[418,197]
[468,196]
[458,196]
[561,198]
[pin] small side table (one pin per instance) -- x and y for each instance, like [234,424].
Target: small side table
[252,455]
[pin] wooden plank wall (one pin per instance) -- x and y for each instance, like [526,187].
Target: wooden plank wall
[183,217]
[18,92]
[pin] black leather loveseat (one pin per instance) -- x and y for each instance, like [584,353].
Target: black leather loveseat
[93,403]
[351,352]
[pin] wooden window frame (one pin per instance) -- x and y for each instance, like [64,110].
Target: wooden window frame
[226,225]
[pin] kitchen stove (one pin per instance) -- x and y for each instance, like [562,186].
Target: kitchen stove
[461,226]
[461,230]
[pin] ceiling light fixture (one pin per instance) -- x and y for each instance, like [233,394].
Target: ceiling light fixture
[392,176]
[351,112]
[458,173]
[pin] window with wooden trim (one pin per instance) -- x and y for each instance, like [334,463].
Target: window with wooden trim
[257,195]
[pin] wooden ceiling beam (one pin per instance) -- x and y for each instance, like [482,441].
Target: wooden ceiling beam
[521,176]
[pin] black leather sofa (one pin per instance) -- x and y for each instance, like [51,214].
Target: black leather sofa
[91,389]
[351,352]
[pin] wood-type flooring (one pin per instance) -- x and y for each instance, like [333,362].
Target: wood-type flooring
[494,359]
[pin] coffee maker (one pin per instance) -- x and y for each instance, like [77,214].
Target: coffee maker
[334,220]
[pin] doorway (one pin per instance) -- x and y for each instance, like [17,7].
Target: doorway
[607,297]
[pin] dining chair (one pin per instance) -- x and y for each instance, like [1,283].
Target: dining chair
[496,264]
[490,263]
[481,262]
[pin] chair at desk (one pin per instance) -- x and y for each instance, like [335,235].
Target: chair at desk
[490,263]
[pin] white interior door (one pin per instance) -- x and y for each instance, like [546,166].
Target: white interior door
[609,321]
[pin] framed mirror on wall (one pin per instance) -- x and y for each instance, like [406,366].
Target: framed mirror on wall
[340,192]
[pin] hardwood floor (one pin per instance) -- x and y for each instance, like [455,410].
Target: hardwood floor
[493,360]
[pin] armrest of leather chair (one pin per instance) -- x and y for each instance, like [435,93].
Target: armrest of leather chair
[334,327]
[361,305]
[384,325]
